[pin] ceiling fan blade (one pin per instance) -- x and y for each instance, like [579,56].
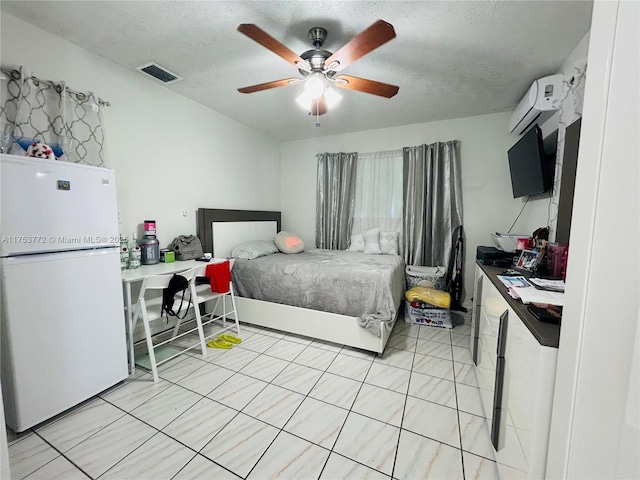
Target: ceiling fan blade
[266,86]
[377,34]
[263,38]
[318,106]
[366,86]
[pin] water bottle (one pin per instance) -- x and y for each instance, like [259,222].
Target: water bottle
[134,253]
[124,253]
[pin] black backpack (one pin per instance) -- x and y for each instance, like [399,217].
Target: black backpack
[177,284]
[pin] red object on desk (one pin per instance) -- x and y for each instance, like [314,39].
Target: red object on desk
[219,276]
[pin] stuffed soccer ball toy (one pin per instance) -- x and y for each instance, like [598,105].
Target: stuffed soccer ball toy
[40,150]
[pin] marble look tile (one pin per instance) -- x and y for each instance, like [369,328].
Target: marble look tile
[234,358]
[333,347]
[386,376]
[434,389]
[336,390]
[316,357]
[464,329]
[28,455]
[159,458]
[103,450]
[237,391]
[240,444]
[396,358]
[435,334]
[358,353]
[58,469]
[350,367]
[290,458]
[402,342]
[80,424]
[201,468]
[166,406]
[380,404]
[200,423]
[465,374]
[247,327]
[475,435]
[298,378]
[13,437]
[434,349]
[469,400]
[274,405]
[285,350]
[432,420]
[410,329]
[265,368]
[462,355]
[292,337]
[460,340]
[272,332]
[258,343]
[343,468]
[479,468]
[369,442]
[135,392]
[433,366]
[420,457]
[178,368]
[317,422]
[207,378]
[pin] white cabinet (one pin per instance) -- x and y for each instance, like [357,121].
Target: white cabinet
[516,376]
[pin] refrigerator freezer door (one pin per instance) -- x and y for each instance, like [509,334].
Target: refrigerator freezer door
[50,206]
[63,332]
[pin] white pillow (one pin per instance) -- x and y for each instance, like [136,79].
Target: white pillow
[389,242]
[372,241]
[254,249]
[288,242]
[357,243]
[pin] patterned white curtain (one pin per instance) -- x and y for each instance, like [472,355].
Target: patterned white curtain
[379,192]
[32,109]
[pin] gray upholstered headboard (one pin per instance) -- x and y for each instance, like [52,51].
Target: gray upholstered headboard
[234,227]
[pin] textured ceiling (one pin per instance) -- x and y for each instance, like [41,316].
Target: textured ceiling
[451,59]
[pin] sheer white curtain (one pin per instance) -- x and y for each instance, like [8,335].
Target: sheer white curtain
[378,192]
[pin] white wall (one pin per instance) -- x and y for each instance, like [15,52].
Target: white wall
[489,205]
[542,210]
[170,154]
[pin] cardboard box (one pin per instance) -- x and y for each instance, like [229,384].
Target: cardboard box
[420,313]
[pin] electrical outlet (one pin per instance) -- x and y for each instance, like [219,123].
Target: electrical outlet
[119,217]
[185,213]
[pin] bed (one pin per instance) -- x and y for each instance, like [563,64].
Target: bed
[337,320]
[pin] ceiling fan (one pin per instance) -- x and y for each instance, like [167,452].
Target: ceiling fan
[320,68]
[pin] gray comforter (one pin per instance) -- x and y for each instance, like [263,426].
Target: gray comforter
[369,287]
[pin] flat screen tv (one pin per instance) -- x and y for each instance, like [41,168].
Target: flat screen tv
[531,169]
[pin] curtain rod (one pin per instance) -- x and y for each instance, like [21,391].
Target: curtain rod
[15,74]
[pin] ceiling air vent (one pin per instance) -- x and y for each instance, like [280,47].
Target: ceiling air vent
[159,73]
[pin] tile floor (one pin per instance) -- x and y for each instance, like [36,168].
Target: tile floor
[279,406]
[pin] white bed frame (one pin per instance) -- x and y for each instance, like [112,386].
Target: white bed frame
[220,230]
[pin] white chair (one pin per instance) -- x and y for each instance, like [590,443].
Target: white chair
[223,307]
[149,308]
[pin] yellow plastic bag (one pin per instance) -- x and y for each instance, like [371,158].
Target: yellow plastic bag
[434,297]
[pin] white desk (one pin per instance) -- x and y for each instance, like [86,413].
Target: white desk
[138,275]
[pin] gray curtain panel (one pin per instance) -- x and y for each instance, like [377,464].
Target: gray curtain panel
[335,199]
[432,206]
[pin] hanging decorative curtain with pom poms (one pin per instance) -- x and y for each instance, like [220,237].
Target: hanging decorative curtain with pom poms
[37,110]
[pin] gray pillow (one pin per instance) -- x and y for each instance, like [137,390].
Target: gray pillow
[288,242]
[372,241]
[254,249]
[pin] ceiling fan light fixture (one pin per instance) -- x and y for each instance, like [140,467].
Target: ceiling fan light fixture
[331,97]
[314,85]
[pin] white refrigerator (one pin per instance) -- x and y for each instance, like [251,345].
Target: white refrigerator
[62,321]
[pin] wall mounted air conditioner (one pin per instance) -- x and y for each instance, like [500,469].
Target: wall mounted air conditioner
[538,104]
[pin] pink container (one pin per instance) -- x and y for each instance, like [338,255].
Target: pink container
[150,227]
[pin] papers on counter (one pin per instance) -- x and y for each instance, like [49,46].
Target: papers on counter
[554,285]
[520,288]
